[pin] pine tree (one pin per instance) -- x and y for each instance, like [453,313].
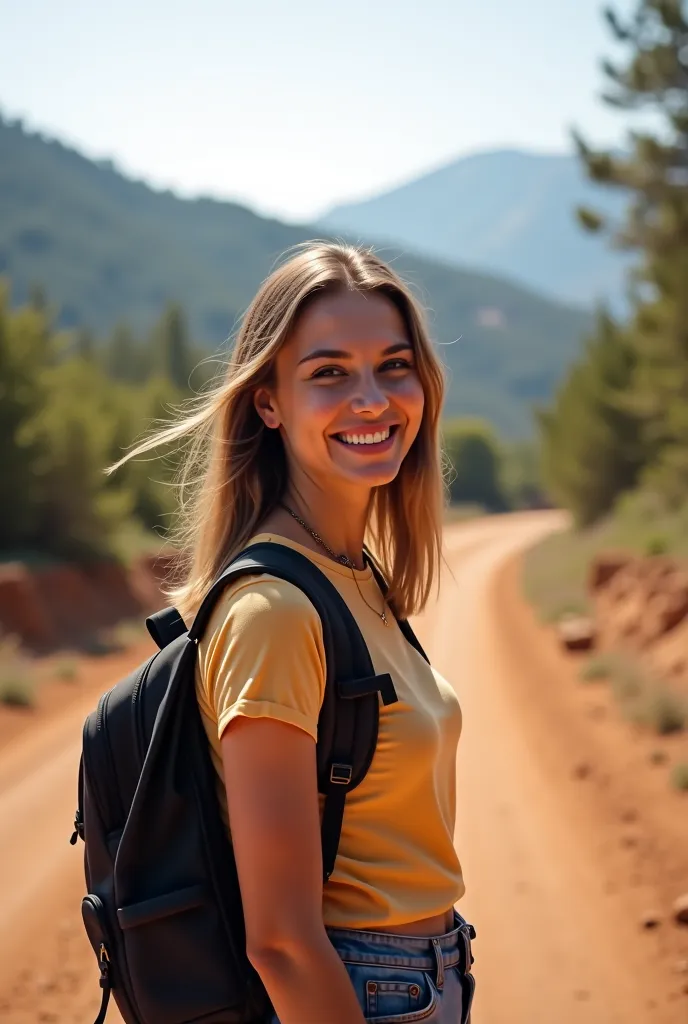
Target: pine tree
[122,355]
[84,345]
[654,174]
[591,449]
[172,349]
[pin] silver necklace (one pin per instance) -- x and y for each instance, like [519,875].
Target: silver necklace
[342,559]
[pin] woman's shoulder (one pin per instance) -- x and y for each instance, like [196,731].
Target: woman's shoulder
[258,604]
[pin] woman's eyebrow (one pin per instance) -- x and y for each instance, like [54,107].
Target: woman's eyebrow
[336,353]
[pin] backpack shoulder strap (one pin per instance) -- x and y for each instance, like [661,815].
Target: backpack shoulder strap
[348,722]
[404,624]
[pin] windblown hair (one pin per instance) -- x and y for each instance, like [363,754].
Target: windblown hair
[234,469]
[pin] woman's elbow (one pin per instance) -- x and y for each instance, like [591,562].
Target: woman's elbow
[269,948]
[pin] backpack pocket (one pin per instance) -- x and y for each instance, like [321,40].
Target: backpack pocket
[177,959]
[100,936]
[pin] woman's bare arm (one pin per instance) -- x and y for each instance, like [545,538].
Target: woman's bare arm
[270,777]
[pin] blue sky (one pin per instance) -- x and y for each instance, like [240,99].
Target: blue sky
[293,106]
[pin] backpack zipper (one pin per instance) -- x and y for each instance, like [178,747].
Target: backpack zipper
[137,711]
[100,728]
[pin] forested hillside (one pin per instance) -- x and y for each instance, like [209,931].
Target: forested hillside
[110,251]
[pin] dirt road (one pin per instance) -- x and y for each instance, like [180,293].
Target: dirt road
[555,944]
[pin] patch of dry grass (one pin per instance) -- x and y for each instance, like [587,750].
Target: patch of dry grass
[555,571]
[17,678]
[66,669]
[679,776]
[597,668]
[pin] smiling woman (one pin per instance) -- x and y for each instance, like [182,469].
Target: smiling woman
[323,439]
[340,383]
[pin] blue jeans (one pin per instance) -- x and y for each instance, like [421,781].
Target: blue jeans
[400,979]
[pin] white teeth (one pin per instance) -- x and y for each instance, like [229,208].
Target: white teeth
[375,438]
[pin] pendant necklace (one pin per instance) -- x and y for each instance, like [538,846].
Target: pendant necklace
[341,559]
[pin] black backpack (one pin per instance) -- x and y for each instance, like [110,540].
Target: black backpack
[163,911]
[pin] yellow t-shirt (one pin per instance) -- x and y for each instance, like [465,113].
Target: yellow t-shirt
[262,655]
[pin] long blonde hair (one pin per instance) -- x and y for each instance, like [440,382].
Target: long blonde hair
[234,469]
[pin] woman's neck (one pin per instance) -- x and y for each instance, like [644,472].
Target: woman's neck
[341,524]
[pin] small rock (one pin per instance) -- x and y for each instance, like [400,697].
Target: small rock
[681,967]
[576,633]
[582,770]
[650,920]
[680,909]
[658,757]
[629,841]
[629,816]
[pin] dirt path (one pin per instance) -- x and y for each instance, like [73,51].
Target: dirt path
[557,941]
[550,888]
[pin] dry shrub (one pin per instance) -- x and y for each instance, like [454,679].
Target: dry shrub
[17,678]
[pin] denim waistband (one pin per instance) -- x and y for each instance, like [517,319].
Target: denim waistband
[421,952]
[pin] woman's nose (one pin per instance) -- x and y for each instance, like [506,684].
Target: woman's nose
[369,397]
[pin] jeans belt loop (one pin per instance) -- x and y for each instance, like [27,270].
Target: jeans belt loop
[468,953]
[440,964]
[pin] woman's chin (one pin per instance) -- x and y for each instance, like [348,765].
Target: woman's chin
[369,476]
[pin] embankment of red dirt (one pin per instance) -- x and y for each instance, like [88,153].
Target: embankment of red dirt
[613,777]
[64,605]
[641,605]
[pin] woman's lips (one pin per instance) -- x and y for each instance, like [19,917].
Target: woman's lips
[376,448]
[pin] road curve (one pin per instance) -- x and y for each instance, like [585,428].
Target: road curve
[550,947]
[547,951]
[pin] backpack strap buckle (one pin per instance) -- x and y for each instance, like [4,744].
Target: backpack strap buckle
[341,774]
[350,689]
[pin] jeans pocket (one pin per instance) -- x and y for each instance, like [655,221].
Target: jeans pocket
[392,995]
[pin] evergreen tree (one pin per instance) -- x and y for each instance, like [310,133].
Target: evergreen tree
[172,349]
[24,354]
[591,448]
[654,174]
[123,355]
[84,345]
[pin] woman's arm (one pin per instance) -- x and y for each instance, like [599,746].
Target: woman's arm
[270,777]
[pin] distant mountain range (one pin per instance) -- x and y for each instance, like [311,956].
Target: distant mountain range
[508,213]
[107,249]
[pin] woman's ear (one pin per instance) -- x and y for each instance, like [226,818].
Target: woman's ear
[265,407]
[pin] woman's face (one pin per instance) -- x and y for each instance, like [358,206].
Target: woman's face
[347,396]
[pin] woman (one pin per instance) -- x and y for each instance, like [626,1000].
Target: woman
[325,435]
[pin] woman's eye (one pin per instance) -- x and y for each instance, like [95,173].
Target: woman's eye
[328,371]
[336,371]
[397,364]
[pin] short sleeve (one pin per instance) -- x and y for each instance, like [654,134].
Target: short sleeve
[263,656]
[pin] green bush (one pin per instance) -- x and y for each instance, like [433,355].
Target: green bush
[473,452]
[679,776]
[664,711]
[66,669]
[657,545]
[17,680]
[598,667]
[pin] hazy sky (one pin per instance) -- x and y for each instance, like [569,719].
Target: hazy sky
[293,105]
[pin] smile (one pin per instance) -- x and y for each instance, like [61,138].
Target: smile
[372,440]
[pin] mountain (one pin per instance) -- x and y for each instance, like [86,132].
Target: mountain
[107,249]
[508,213]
